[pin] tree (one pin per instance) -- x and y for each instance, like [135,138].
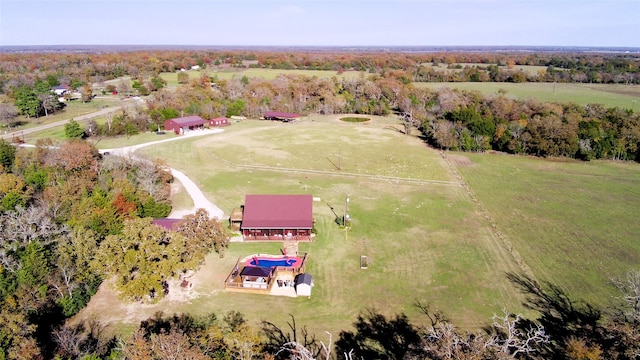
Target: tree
[7,155]
[86,93]
[49,103]
[74,280]
[183,77]
[72,130]
[124,87]
[377,337]
[75,156]
[140,259]
[27,101]
[157,83]
[8,113]
[201,233]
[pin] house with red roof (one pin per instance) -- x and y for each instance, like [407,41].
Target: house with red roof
[277,217]
[184,124]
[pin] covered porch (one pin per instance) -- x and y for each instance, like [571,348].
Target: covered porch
[277,234]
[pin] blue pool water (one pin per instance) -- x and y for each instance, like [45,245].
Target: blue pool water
[272,262]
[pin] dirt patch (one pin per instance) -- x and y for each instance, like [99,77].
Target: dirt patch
[107,306]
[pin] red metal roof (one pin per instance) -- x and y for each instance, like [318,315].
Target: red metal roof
[278,212]
[189,120]
[281,115]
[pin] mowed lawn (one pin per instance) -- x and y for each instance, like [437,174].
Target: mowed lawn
[425,238]
[575,223]
[622,96]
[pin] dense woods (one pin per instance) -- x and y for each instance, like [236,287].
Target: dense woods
[71,218]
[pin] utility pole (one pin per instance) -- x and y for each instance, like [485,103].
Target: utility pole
[345,218]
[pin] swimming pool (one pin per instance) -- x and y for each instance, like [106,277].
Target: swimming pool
[263,262]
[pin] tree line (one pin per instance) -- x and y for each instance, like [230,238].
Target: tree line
[17,69]
[449,119]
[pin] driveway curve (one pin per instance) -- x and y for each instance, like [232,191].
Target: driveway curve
[199,199]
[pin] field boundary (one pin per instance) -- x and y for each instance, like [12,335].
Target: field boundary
[344,174]
[487,215]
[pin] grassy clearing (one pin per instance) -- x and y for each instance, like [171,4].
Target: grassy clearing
[622,96]
[230,73]
[574,223]
[73,109]
[527,69]
[425,241]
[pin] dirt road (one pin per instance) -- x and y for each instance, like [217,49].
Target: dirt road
[199,199]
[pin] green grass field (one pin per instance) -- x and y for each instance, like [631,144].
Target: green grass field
[230,73]
[622,96]
[72,109]
[425,239]
[575,223]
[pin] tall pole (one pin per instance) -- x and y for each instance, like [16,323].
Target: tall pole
[346,212]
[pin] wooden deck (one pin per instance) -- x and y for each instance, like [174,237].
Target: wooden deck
[277,283]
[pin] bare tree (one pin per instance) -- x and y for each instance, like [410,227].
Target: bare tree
[511,338]
[8,112]
[630,290]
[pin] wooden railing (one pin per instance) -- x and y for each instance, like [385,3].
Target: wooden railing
[231,284]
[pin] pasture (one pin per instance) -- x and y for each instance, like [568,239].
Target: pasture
[269,74]
[425,237]
[574,223]
[71,110]
[610,95]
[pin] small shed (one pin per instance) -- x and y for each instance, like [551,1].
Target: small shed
[221,121]
[184,124]
[304,283]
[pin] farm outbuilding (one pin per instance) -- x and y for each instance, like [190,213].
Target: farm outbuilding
[220,121]
[281,116]
[277,217]
[303,283]
[184,124]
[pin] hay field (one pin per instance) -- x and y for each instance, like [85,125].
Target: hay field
[610,95]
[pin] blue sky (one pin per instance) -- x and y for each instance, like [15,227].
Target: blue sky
[318,23]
